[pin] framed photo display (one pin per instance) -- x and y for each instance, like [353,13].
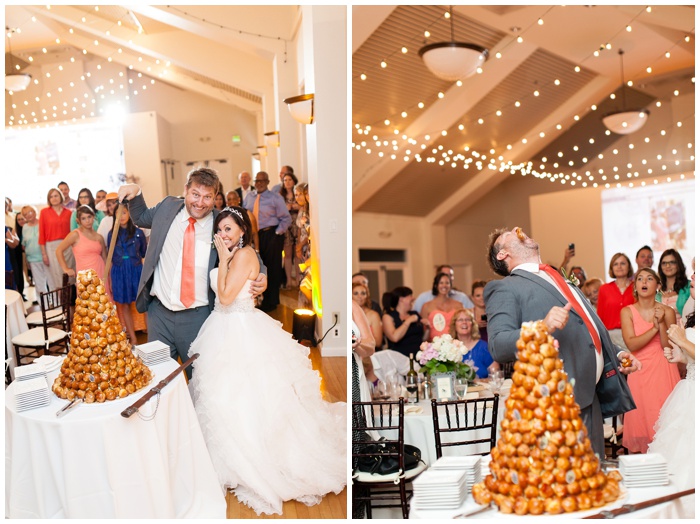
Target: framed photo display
[444,384]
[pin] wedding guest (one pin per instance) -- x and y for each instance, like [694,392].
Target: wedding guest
[459,296]
[591,288]
[175,308]
[480,308]
[302,243]
[676,423]
[68,202]
[87,245]
[284,170]
[21,257]
[245,188]
[54,226]
[16,260]
[401,323]
[219,201]
[644,328]
[43,281]
[99,197]
[580,275]
[644,257]
[463,327]
[106,225]
[361,278]
[127,265]
[615,295]
[437,313]
[233,199]
[273,220]
[360,294]
[85,198]
[675,287]
[286,191]
[11,241]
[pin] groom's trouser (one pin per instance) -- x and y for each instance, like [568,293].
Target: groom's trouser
[177,329]
[592,418]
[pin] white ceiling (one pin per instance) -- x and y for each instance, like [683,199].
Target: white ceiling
[568,38]
[224,52]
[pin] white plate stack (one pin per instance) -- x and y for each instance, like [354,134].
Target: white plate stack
[50,362]
[642,471]
[470,464]
[153,353]
[440,489]
[32,393]
[485,468]
[30,371]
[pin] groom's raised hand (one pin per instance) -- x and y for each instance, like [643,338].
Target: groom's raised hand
[128,192]
[259,285]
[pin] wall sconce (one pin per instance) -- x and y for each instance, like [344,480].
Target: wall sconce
[262,151]
[272,139]
[301,108]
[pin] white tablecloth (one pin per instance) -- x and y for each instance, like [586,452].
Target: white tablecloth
[683,508]
[94,463]
[16,324]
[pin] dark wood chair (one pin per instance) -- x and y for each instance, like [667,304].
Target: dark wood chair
[44,339]
[475,418]
[373,489]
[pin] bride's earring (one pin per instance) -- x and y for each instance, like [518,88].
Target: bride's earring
[240,242]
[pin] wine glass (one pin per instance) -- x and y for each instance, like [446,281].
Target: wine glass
[496,380]
[412,388]
[461,388]
[380,391]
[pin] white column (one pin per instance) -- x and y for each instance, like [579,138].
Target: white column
[325,74]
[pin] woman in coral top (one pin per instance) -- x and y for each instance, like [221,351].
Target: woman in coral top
[88,246]
[615,295]
[54,226]
[437,313]
[645,330]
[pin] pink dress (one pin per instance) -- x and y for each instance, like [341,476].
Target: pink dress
[439,322]
[650,387]
[88,255]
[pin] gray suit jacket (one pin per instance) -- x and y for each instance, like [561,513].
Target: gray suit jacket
[524,297]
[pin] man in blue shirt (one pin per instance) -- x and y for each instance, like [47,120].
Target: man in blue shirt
[273,220]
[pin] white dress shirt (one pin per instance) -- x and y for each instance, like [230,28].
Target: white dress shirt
[168,272]
[531,267]
[246,192]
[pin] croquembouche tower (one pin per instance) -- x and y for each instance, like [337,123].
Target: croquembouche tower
[100,364]
[543,461]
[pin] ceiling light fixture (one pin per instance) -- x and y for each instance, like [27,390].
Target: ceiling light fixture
[272,139]
[301,108]
[627,121]
[14,81]
[452,60]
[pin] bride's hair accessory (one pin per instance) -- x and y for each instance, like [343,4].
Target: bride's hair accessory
[234,211]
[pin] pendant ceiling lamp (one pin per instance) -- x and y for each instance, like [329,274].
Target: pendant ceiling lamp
[627,121]
[452,60]
[14,81]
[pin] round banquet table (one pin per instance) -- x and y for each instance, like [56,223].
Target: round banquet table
[16,324]
[93,463]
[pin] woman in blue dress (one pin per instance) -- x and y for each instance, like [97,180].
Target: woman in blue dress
[127,263]
[464,328]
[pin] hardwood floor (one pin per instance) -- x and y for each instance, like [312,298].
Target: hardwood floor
[333,371]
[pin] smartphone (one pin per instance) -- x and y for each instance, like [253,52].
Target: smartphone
[571,246]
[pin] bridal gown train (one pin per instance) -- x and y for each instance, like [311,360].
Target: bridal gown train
[675,428]
[270,434]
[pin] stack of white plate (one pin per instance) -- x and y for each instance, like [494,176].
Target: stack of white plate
[50,362]
[440,489]
[485,468]
[30,371]
[153,353]
[32,393]
[470,464]
[641,471]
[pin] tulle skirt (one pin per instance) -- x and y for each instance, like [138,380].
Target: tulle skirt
[270,434]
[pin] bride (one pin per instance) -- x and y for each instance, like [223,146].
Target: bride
[675,428]
[270,434]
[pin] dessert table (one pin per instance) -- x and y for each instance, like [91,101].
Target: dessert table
[682,508]
[16,324]
[93,463]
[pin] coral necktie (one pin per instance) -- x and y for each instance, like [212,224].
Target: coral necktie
[564,287]
[256,208]
[187,282]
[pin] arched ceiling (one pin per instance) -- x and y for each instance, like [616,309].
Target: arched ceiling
[570,59]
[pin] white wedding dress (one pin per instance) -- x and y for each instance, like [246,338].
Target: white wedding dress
[270,434]
[675,428]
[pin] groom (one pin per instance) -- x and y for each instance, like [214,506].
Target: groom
[174,287]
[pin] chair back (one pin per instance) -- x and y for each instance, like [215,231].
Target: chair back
[56,299]
[474,421]
[381,416]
